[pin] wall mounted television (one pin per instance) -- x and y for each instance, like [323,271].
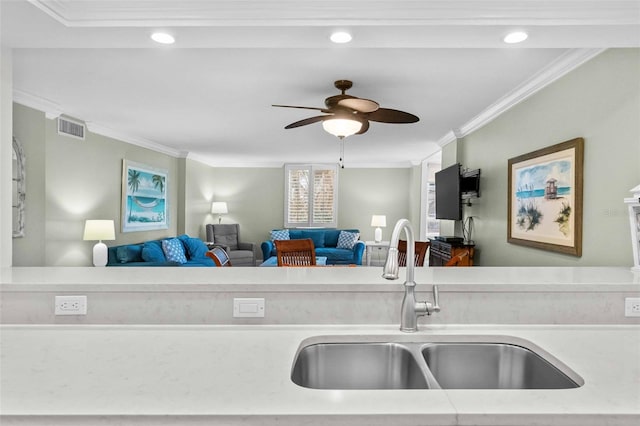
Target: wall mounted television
[453,189]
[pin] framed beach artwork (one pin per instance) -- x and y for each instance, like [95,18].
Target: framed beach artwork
[545,198]
[144,197]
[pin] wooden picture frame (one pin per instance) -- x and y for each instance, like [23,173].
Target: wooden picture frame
[545,198]
[145,205]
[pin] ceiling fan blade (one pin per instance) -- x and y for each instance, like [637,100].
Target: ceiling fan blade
[386,115]
[364,128]
[306,121]
[359,104]
[301,107]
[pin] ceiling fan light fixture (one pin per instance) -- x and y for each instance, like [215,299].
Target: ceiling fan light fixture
[341,127]
[163,38]
[340,37]
[515,37]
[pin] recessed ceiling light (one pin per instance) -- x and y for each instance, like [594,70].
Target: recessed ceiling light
[341,37]
[515,37]
[163,38]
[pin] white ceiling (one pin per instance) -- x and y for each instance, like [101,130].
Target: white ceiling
[209,96]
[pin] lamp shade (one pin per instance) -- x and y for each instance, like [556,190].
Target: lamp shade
[219,207]
[379,220]
[341,127]
[99,230]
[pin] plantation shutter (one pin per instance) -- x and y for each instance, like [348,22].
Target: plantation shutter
[323,197]
[298,197]
[311,196]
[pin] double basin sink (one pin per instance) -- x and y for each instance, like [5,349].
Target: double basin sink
[448,362]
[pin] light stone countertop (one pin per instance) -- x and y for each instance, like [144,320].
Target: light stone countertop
[241,375]
[118,279]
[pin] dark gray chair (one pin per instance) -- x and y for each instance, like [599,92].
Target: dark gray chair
[227,236]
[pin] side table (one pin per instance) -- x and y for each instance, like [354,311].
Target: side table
[381,248]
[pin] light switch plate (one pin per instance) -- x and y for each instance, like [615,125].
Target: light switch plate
[248,307]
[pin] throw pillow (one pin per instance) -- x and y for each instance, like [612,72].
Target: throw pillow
[195,248]
[174,250]
[347,240]
[152,252]
[279,234]
[130,253]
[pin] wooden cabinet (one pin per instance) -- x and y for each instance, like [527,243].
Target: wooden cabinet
[442,252]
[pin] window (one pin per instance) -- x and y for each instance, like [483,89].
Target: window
[311,195]
[429,225]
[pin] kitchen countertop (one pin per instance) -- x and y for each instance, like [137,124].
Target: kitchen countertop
[131,279]
[241,375]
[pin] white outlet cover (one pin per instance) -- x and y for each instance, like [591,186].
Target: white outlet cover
[71,305]
[632,306]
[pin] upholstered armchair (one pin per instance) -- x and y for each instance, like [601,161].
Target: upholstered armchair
[228,237]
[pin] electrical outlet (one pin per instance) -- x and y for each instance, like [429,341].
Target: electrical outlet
[632,306]
[71,305]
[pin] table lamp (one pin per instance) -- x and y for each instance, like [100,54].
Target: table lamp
[379,221]
[99,230]
[219,207]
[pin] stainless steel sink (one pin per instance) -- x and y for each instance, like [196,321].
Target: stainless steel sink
[354,362]
[357,366]
[492,366]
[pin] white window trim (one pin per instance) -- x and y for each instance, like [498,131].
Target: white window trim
[311,168]
[427,165]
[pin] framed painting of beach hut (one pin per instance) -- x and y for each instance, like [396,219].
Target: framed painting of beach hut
[545,198]
[144,197]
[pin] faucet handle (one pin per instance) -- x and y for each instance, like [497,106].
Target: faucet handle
[435,306]
[436,299]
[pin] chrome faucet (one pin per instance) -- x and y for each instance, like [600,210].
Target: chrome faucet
[411,308]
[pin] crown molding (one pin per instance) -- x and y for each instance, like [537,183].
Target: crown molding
[207,161]
[110,13]
[51,109]
[141,142]
[554,71]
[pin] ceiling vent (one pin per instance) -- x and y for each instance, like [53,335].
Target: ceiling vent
[74,129]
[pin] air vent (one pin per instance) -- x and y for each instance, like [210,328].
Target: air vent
[71,128]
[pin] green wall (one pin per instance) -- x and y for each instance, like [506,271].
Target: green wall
[600,102]
[70,180]
[29,128]
[255,197]
[365,192]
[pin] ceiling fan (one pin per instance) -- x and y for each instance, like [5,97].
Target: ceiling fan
[346,115]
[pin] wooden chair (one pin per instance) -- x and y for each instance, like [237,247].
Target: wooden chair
[420,252]
[219,256]
[455,260]
[296,252]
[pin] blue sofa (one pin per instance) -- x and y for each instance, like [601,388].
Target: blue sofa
[150,253]
[325,241]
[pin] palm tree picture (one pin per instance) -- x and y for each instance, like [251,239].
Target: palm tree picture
[144,198]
